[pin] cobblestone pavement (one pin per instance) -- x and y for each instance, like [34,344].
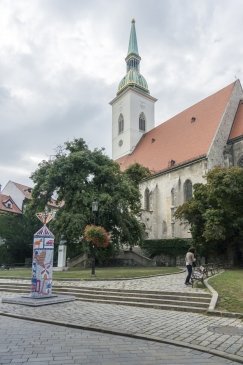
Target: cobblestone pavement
[31,343]
[163,283]
[210,332]
[174,282]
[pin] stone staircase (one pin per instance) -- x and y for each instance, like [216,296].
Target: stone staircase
[125,256]
[180,301]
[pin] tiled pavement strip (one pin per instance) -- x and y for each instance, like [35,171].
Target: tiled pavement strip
[182,328]
[30,343]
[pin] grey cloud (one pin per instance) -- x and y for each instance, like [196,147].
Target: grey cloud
[84,116]
[4,94]
[182,60]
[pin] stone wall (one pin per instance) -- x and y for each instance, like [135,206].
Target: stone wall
[215,154]
[237,148]
[158,219]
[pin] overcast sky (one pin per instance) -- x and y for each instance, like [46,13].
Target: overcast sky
[62,60]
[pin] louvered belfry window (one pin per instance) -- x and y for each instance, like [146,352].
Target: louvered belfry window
[120,124]
[142,122]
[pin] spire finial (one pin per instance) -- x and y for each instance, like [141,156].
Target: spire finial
[133,77]
[133,46]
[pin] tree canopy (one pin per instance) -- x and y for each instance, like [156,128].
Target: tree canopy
[215,213]
[137,172]
[17,232]
[78,177]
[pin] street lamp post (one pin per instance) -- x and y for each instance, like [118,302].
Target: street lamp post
[95,207]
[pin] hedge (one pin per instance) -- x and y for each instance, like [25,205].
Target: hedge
[171,247]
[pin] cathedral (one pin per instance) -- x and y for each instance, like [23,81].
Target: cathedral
[179,151]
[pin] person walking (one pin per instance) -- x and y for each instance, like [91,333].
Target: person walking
[190,259]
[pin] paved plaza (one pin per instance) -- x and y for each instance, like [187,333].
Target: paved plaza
[32,343]
[154,332]
[174,282]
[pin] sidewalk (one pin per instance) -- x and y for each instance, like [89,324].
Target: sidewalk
[216,335]
[31,343]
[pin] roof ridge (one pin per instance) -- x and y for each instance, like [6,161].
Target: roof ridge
[25,186]
[198,102]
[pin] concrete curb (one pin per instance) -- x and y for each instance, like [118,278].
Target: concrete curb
[215,295]
[211,310]
[222,354]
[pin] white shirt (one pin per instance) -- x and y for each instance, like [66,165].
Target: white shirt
[190,258]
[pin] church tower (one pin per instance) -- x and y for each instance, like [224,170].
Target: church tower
[133,106]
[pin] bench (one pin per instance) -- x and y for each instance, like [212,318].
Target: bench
[202,272]
[211,268]
[199,274]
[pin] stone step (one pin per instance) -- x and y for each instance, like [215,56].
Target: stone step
[186,308]
[168,300]
[111,295]
[200,295]
[157,296]
[137,292]
[165,306]
[195,302]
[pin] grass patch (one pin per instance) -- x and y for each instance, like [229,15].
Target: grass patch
[101,273]
[229,286]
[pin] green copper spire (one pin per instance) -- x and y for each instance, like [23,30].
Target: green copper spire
[133,46]
[133,77]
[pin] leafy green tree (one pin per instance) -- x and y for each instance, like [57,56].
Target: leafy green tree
[78,177]
[17,231]
[136,173]
[215,212]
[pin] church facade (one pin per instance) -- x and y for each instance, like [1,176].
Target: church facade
[178,152]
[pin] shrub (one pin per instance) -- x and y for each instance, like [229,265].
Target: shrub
[170,247]
[96,235]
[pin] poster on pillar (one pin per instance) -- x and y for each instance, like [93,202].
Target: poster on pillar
[42,263]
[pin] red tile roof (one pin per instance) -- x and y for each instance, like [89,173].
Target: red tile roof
[185,137]
[4,199]
[237,128]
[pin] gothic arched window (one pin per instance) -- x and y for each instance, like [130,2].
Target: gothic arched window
[187,190]
[142,122]
[147,199]
[120,124]
[240,161]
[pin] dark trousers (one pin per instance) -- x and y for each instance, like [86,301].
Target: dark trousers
[189,271]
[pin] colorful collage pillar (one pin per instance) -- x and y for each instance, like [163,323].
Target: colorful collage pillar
[42,262]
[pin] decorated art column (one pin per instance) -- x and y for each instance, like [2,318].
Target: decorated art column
[42,262]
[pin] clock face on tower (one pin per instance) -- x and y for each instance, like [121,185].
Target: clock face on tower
[120,143]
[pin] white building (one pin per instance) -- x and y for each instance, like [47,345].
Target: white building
[179,151]
[20,194]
